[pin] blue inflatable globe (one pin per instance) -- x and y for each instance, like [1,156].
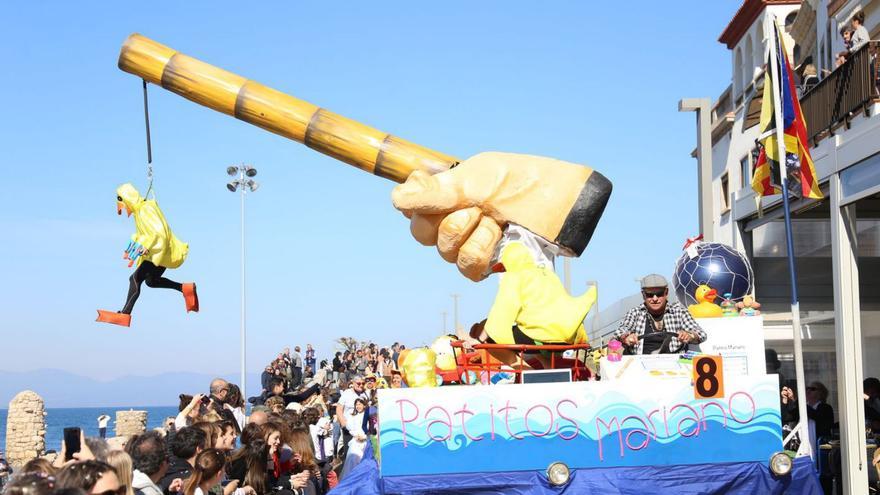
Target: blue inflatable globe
[717,265]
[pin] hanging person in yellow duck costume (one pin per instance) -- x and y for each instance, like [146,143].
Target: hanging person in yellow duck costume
[532,306]
[154,248]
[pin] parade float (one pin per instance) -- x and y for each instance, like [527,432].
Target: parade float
[704,422]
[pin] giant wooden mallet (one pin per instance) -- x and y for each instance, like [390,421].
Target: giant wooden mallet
[563,202]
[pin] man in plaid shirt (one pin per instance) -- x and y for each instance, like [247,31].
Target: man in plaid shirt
[657,315]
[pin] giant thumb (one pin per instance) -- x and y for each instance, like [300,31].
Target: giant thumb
[429,194]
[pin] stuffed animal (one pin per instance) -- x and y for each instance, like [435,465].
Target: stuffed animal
[442,348]
[748,307]
[418,368]
[728,307]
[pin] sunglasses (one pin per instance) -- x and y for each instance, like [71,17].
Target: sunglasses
[649,295]
[811,389]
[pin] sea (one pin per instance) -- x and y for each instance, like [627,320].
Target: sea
[86,418]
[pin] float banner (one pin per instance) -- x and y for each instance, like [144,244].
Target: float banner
[480,428]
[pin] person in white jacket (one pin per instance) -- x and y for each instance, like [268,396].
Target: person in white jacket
[322,438]
[357,444]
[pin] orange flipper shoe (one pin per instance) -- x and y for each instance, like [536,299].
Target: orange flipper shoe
[113,317]
[191,297]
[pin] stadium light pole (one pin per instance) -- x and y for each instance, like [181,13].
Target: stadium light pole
[244,183]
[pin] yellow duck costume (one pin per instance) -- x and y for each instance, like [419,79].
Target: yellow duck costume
[705,307]
[154,248]
[532,298]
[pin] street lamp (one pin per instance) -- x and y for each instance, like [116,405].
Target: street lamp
[702,106]
[244,184]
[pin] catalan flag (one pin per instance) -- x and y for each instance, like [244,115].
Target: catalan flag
[799,169]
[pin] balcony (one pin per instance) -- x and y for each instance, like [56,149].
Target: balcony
[850,89]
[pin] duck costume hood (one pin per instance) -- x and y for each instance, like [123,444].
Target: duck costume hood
[162,247]
[533,298]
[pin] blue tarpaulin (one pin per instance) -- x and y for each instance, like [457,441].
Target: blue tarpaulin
[733,478]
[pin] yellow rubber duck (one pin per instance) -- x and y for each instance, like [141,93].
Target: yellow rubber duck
[705,307]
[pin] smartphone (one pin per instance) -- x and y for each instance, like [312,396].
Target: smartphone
[71,442]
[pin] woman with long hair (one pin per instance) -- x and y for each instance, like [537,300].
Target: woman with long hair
[273,435]
[235,403]
[121,462]
[304,463]
[248,465]
[38,466]
[206,473]
[213,432]
[93,477]
[226,440]
[30,483]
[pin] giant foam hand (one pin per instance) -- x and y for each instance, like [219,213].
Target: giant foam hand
[464,210]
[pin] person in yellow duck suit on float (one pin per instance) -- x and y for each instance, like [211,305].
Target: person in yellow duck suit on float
[532,306]
[154,248]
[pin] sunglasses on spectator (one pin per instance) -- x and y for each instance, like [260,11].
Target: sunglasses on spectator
[811,389]
[650,294]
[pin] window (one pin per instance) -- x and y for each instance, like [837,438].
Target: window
[725,194]
[745,167]
[789,20]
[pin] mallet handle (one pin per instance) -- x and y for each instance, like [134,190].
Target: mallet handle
[347,140]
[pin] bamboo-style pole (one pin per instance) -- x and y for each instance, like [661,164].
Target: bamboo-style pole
[354,143]
[565,209]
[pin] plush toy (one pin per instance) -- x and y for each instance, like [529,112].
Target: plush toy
[598,354]
[614,350]
[418,368]
[705,307]
[442,347]
[532,298]
[153,248]
[748,307]
[728,307]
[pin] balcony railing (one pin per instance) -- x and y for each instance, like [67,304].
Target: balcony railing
[850,88]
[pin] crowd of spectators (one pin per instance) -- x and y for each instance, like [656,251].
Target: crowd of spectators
[310,426]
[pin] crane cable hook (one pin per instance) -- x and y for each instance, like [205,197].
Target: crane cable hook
[149,144]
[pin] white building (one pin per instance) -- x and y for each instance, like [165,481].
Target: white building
[837,239]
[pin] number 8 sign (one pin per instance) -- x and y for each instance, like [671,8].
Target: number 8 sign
[708,377]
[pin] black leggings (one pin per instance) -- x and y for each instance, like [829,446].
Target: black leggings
[152,275]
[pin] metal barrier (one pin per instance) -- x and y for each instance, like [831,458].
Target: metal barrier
[579,369]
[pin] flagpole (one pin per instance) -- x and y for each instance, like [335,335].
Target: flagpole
[786,207]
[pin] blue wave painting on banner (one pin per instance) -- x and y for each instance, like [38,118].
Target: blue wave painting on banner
[587,424]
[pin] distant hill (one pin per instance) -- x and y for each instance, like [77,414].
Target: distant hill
[65,389]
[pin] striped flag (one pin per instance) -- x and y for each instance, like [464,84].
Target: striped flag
[801,173]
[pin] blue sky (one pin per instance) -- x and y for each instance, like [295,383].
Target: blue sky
[328,255]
